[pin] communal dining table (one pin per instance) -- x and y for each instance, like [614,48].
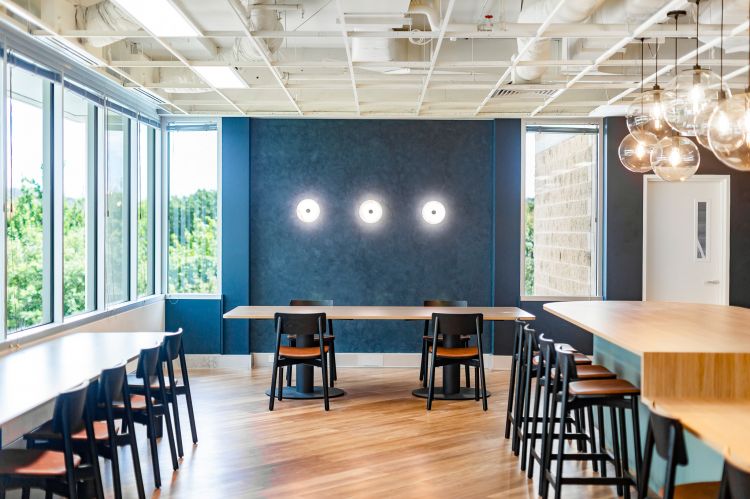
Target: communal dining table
[451,389]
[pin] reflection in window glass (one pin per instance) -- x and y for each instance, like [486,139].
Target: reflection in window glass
[146,156]
[28,242]
[116,228]
[702,230]
[193,211]
[560,210]
[79,160]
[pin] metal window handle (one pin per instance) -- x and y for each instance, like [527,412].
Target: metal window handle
[715,281]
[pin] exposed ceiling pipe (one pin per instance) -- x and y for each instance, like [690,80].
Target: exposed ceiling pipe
[570,12]
[427,9]
[104,16]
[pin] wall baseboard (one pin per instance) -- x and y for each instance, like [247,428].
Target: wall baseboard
[352,359]
[217,361]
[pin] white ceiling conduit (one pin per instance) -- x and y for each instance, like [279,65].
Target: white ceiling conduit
[104,16]
[571,12]
[733,10]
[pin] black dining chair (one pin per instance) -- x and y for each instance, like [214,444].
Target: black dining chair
[329,338]
[460,325]
[307,328]
[172,349]
[735,483]
[110,389]
[427,338]
[147,408]
[666,436]
[56,472]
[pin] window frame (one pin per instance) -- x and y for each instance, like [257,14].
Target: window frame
[165,125]
[151,208]
[598,186]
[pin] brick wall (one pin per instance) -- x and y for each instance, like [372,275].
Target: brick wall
[562,218]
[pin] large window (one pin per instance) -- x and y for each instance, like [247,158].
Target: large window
[193,209]
[116,230]
[28,217]
[146,161]
[79,195]
[560,212]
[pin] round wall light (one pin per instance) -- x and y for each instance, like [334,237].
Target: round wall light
[308,210]
[370,211]
[433,212]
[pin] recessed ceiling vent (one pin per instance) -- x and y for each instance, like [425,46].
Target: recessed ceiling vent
[506,93]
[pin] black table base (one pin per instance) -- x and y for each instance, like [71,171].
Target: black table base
[290,392]
[463,394]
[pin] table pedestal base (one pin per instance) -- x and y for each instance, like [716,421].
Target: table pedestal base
[463,394]
[290,392]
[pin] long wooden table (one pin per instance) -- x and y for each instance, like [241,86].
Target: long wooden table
[451,374]
[35,374]
[695,361]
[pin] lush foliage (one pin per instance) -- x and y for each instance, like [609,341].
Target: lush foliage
[193,243]
[529,248]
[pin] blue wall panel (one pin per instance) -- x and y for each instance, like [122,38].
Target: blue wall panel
[401,260]
[200,321]
[235,230]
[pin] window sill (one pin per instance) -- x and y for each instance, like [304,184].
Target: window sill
[560,298]
[15,340]
[193,296]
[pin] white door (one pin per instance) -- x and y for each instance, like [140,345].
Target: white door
[686,239]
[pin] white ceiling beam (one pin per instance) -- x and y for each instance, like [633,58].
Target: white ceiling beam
[344,35]
[435,54]
[637,33]
[687,58]
[541,30]
[508,31]
[241,14]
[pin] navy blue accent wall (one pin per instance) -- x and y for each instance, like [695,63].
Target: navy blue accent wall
[235,230]
[401,260]
[200,321]
[507,272]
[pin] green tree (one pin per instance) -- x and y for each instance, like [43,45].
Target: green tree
[529,247]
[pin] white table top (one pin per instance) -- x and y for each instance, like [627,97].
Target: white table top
[36,374]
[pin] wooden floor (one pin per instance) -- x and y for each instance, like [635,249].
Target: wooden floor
[376,441]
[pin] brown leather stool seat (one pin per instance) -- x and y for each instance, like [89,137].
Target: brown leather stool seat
[698,490]
[137,403]
[590,372]
[45,432]
[602,388]
[301,352]
[581,359]
[457,353]
[34,462]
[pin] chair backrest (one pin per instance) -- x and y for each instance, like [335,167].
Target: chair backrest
[458,324]
[172,345]
[666,435]
[566,363]
[300,324]
[111,383]
[148,362]
[735,483]
[67,417]
[310,303]
[446,303]
[547,351]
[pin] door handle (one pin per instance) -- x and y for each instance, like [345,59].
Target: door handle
[715,281]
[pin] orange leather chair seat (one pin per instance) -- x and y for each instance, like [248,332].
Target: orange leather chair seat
[581,360]
[699,490]
[137,403]
[587,372]
[457,353]
[602,387]
[37,463]
[301,352]
[45,432]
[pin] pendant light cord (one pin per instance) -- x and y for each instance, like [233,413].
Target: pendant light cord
[748,50]
[656,63]
[697,30]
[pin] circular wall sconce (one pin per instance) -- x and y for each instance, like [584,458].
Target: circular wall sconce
[370,211]
[433,212]
[308,210]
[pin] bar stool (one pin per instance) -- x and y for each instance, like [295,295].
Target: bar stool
[103,394]
[329,339]
[299,325]
[427,339]
[618,395]
[56,472]
[666,435]
[453,328]
[735,483]
[148,407]
[546,371]
[514,366]
[171,350]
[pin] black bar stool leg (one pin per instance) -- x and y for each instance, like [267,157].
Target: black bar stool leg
[281,385]
[616,447]
[532,437]
[636,438]
[602,443]
[592,436]
[136,458]
[624,448]
[511,383]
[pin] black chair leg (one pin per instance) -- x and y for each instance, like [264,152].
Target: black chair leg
[136,458]
[26,493]
[177,426]
[532,437]
[168,424]
[624,448]
[616,447]
[431,390]
[154,448]
[115,458]
[191,414]
[602,447]
[288,377]
[637,438]
[511,392]
[560,448]
[332,364]
[281,385]
[476,383]
[422,358]
[592,436]
[271,398]
[324,363]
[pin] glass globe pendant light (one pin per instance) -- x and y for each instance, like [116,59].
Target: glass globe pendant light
[675,158]
[635,149]
[694,90]
[729,128]
[703,119]
[646,113]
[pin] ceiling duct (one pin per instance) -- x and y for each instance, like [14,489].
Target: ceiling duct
[386,15]
[104,16]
